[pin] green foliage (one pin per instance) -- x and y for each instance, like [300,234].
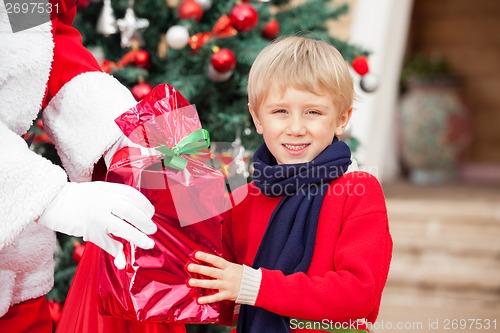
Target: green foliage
[424,66]
[65,267]
[421,68]
[352,142]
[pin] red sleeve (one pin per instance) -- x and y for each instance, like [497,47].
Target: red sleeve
[70,56]
[361,263]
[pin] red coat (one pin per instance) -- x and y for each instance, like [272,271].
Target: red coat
[351,258]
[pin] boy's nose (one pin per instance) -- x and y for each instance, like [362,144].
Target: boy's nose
[296,126]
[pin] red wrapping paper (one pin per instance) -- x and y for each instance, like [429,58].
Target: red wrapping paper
[188,204]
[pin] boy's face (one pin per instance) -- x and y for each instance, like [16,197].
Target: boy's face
[298,125]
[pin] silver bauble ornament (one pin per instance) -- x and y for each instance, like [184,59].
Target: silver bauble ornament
[369,82]
[205,4]
[177,37]
[215,76]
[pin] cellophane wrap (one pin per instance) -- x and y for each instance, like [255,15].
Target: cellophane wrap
[188,203]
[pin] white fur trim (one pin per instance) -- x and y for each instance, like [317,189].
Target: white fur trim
[28,183]
[81,117]
[7,279]
[26,61]
[27,266]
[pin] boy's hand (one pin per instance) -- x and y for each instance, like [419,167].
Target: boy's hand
[221,275]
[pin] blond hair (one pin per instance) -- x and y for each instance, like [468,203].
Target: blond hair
[304,64]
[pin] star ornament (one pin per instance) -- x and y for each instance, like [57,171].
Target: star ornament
[130,26]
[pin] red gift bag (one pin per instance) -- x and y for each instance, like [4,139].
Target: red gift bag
[188,196]
[80,313]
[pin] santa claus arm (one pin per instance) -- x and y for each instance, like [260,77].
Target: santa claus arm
[81,102]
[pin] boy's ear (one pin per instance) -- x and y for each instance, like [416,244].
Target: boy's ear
[255,118]
[342,122]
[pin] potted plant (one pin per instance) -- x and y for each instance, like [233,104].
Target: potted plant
[434,120]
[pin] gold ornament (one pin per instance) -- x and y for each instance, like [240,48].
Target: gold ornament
[162,49]
[172,3]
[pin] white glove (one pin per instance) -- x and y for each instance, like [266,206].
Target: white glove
[97,210]
[123,141]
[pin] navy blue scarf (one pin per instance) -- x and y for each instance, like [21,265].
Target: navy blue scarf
[289,240]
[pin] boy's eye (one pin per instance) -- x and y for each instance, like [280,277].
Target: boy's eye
[279,111]
[313,112]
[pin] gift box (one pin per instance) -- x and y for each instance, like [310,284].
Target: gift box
[188,196]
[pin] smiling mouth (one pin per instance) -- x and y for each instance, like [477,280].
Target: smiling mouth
[295,147]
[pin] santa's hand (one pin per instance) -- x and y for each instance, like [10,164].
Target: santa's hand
[222,275]
[98,210]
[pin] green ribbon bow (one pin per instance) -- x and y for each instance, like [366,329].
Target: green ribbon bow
[191,144]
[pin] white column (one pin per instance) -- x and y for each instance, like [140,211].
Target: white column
[381,27]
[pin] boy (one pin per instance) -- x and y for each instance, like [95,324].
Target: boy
[309,246]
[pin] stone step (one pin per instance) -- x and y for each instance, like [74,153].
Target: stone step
[465,228]
[445,245]
[469,212]
[444,272]
[435,236]
[453,192]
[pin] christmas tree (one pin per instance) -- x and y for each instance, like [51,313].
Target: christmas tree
[205,49]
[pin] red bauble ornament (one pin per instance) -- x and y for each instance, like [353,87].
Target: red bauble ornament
[140,90]
[108,66]
[190,10]
[82,4]
[360,65]
[223,60]
[244,17]
[78,252]
[142,59]
[271,29]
